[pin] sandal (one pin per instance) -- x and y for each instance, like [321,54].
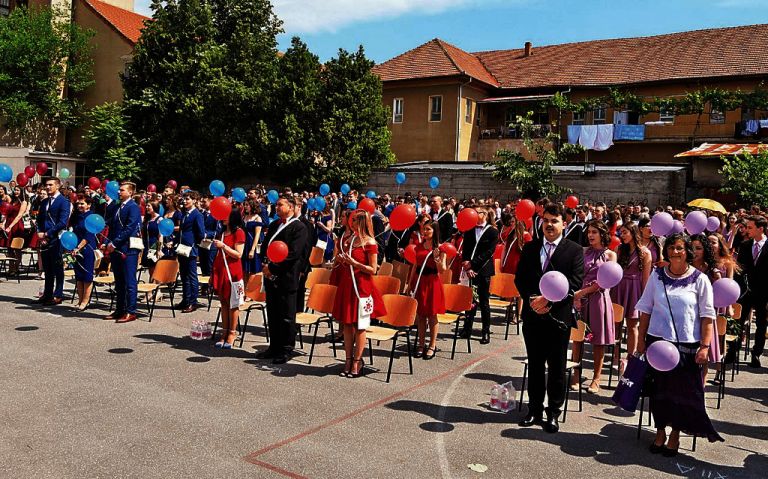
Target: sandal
[427,356]
[593,388]
[359,372]
[347,368]
[419,352]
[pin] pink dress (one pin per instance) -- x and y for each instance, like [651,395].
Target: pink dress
[596,308]
[629,290]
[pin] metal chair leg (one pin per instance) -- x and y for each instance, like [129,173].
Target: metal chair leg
[391,357]
[408,345]
[522,388]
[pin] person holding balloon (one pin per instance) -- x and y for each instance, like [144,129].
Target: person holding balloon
[172,213]
[84,252]
[153,239]
[650,241]
[514,238]
[227,268]
[13,223]
[124,225]
[253,236]
[52,220]
[753,259]
[676,328]
[324,227]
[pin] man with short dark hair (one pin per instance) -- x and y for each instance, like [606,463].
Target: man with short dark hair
[753,260]
[547,324]
[124,225]
[51,221]
[191,233]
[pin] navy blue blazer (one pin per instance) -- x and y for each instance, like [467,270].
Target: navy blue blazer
[53,216]
[212,228]
[192,230]
[124,224]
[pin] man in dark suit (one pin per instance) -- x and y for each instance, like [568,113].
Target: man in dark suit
[191,232]
[124,225]
[282,281]
[51,221]
[310,242]
[537,217]
[443,217]
[211,231]
[547,325]
[477,255]
[753,259]
[574,230]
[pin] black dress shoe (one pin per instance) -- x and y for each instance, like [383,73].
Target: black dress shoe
[656,449]
[551,425]
[667,452]
[530,420]
[485,338]
[755,363]
[267,354]
[282,359]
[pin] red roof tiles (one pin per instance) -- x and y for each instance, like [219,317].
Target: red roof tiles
[719,52]
[126,22]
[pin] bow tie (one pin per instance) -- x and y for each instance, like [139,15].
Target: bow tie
[282,222]
[478,228]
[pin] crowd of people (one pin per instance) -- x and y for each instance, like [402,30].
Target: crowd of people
[665,292]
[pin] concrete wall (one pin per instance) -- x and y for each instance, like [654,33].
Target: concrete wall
[664,186]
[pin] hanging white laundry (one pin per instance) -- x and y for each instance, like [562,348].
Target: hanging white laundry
[604,138]
[620,117]
[588,136]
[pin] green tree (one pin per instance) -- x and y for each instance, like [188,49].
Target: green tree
[746,176]
[112,149]
[42,53]
[353,136]
[534,179]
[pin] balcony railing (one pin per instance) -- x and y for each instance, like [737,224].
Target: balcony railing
[501,132]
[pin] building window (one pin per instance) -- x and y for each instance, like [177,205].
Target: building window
[435,108]
[468,113]
[716,117]
[5,7]
[667,115]
[598,115]
[578,118]
[397,110]
[510,116]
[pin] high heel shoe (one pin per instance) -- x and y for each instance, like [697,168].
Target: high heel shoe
[359,372]
[347,368]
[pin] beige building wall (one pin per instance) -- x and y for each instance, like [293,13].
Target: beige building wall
[469,131]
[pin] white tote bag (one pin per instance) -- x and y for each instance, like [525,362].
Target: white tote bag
[364,304]
[237,288]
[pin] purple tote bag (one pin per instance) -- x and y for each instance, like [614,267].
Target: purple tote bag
[630,385]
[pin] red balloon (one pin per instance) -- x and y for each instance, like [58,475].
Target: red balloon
[467,219]
[29,171]
[527,237]
[571,202]
[402,217]
[41,168]
[368,205]
[410,253]
[151,188]
[615,242]
[104,184]
[449,250]
[22,179]
[172,184]
[277,251]
[221,208]
[499,251]
[525,209]
[94,183]
[528,222]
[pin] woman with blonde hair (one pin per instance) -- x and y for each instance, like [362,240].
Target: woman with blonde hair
[356,262]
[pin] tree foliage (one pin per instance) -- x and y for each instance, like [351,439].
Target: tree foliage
[112,149]
[40,52]
[534,179]
[746,176]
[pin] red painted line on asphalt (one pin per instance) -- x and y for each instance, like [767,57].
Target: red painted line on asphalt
[251,458]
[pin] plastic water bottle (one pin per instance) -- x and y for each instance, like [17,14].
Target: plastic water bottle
[511,393]
[495,396]
[207,331]
[41,291]
[504,400]
[197,331]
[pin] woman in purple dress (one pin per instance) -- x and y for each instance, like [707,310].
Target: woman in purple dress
[593,302]
[654,244]
[635,260]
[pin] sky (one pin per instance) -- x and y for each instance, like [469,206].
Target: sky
[387,28]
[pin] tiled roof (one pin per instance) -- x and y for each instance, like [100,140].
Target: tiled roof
[435,58]
[126,22]
[719,52]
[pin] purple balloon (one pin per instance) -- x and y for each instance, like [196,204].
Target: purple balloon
[696,222]
[713,224]
[554,286]
[661,224]
[677,227]
[662,356]
[725,292]
[609,274]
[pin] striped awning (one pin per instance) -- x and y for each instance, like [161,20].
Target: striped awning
[727,149]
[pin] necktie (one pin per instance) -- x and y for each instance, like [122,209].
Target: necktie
[755,252]
[549,248]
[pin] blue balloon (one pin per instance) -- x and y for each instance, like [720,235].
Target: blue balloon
[166,227]
[352,205]
[324,189]
[238,194]
[434,182]
[161,212]
[217,187]
[113,190]
[311,204]
[345,189]
[371,194]
[94,224]
[273,196]
[68,240]
[6,173]
[400,178]
[320,203]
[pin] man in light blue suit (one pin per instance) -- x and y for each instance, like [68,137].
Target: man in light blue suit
[51,221]
[124,224]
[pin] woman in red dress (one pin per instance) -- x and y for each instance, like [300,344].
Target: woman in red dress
[513,245]
[427,288]
[230,247]
[13,226]
[358,253]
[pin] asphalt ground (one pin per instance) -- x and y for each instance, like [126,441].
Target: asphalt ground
[85,398]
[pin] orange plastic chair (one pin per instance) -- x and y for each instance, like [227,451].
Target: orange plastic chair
[316,256]
[385,269]
[400,317]
[458,300]
[321,299]
[618,322]
[387,284]
[503,286]
[164,276]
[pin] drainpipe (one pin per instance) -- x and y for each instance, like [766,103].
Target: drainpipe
[458,120]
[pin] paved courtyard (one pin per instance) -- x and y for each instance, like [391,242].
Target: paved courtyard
[86,398]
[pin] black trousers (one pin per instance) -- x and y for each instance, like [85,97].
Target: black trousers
[281,316]
[301,293]
[547,346]
[483,284]
[758,304]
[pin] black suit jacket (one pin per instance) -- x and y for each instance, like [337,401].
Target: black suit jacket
[568,258]
[445,223]
[482,261]
[308,244]
[287,271]
[576,233]
[755,276]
